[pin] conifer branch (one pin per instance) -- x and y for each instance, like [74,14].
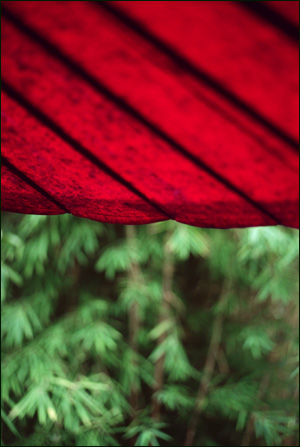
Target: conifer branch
[208,371]
[133,315]
[167,281]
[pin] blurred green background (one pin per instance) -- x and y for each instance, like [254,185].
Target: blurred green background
[162,334]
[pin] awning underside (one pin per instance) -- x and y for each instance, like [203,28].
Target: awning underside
[136,112]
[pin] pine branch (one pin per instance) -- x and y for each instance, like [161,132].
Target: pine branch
[167,280]
[250,426]
[133,315]
[208,371]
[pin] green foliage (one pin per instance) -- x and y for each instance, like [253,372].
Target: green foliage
[273,425]
[146,431]
[234,400]
[177,365]
[89,317]
[176,398]
[257,341]
[185,241]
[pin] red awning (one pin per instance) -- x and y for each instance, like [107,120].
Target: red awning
[135,112]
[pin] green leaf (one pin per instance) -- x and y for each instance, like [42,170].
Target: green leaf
[9,423]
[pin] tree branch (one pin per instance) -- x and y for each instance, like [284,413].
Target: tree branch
[133,315]
[208,371]
[167,281]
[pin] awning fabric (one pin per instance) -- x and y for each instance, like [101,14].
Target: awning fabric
[135,112]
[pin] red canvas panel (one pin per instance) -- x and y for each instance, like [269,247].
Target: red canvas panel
[288,9]
[135,112]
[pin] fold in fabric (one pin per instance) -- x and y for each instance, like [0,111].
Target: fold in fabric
[137,112]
